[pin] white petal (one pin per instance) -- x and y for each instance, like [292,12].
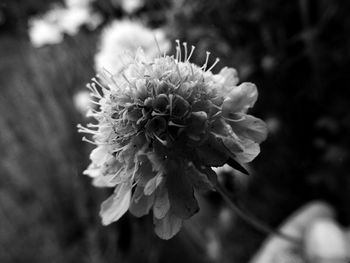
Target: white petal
[229,76]
[250,127]
[99,155]
[116,205]
[250,151]
[240,99]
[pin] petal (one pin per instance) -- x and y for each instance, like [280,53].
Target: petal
[152,184]
[240,99]
[250,127]
[116,205]
[181,195]
[99,155]
[230,76]
[140,203]
[168,226]
[161,205]
[251,150]
[103,181]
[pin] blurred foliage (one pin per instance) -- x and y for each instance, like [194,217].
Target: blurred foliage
[297,52]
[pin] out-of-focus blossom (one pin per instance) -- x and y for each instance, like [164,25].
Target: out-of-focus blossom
[161,125]
[43,32]
[268,63]
[50,28]
[326,242]
[128,36]
[131,6]
[273,125]
[78,3]
[74,18]
[82,101]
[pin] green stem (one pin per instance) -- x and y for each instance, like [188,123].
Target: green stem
[253,221]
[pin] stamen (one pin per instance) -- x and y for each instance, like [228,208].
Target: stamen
[214,64]
[204,67]
[83,129]
[191,52]
[171,123]
[179,49]
[98,83]
[185,48]
[160,140]
[155,39]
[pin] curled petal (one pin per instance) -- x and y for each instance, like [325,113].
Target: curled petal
[116,205]
[240,99]
[161,102]
[180,106]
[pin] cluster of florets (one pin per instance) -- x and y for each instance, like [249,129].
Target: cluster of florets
[162,126]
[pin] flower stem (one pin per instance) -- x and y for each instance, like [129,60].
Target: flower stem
[253,221]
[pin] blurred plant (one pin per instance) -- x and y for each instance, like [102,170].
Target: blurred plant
[127,36]
[50,27]
[131,6]
[162,125]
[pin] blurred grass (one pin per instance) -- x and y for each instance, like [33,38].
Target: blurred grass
[45,202]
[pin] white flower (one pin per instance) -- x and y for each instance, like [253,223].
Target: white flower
[45,29]
[82,102]
[50,28]
[128,36]
[162,124]
[131,6]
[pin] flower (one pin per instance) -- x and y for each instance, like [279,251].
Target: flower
[127,36]
[161,125]
[51,27]
[131,6]
[45,30]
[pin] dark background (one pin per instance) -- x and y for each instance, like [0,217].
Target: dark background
[298,54]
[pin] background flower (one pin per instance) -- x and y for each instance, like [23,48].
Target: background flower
[127,36]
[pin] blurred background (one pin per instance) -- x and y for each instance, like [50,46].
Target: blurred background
[298,54]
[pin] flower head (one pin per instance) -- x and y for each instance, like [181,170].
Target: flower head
[162,124]
[127,36]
